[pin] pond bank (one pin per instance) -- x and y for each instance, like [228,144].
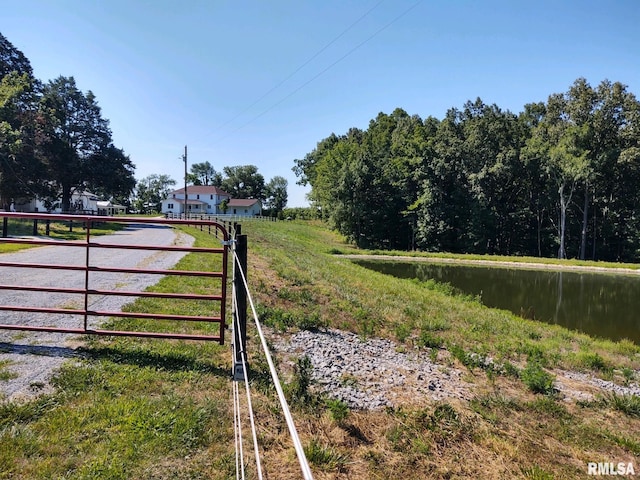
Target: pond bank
[498,263]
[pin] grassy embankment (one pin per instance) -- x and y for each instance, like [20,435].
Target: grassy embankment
[156,409]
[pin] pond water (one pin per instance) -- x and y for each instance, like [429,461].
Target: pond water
[602,305]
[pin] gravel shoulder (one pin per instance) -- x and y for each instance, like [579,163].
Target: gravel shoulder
[31,358]
[375,373]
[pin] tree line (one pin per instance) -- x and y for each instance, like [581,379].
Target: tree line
[54,140]
[561,178]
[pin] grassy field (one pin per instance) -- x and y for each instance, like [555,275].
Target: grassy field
[162,409]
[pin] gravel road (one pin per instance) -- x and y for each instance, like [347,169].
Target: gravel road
[32,357]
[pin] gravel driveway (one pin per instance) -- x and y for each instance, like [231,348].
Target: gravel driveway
[32,357]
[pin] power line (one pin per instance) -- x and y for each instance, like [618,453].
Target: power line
[322,72]
[313,57]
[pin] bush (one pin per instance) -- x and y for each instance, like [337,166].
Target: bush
[537,379]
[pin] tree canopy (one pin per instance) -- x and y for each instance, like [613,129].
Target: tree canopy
[558,179]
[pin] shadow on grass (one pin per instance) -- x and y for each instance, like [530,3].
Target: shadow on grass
[42,350]
[168,361]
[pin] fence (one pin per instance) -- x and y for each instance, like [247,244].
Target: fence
[87,272]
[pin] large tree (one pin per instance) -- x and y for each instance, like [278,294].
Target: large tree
[276,194]
[13,60]
[151,190]
[19,129]
[204,174]
[244,181]
[79,142]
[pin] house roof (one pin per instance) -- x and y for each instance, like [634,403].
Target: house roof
[202,190]
[242,202]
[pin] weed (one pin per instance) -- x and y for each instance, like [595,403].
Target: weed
[593,361]
[325,458]
[510,370]
[537,473]
[537,379]
[298,389]
[428,340]
[402,332]
[549,406]
[628,374]
[338,409]
[4,373]
[629,444]
[627,404]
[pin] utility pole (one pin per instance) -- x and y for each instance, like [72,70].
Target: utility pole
[186,197]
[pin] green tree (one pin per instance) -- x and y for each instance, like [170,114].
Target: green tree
[13,60]
[204,174]
[20,165]
[151,190]
[276,195]
[244,181]
[115,172]
[79,138]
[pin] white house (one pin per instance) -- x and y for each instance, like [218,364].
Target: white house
[81,202]
[202,199]
[244,206]
[106,207]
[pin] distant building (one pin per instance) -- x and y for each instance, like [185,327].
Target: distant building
[202,199]
[81,203]
[244,206]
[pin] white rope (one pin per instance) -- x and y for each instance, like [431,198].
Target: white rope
[254,431]
[237,420]
[238,429]
[302,459]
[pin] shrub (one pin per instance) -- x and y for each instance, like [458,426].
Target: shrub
[537,379]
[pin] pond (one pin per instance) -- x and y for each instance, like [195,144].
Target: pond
[602,305]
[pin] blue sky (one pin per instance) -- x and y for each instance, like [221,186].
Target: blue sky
[261,82]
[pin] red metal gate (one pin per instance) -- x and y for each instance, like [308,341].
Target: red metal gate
[91,244]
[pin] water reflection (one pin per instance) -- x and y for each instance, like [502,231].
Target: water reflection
[602,305]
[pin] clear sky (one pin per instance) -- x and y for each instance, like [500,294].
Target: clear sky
[262,82]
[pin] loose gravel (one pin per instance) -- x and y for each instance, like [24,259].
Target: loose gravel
[31,358]
[370,373]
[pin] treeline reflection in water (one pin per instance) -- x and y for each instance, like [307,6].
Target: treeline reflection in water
[603,305]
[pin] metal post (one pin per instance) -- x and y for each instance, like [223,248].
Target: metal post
[35,227]
[5,227]
[240,328]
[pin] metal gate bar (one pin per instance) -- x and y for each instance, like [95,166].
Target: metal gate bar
[87,222]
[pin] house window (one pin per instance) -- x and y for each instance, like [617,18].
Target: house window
[245,210]
[210,197]
[234,211]
[170,205]
[174,195]
[198,197]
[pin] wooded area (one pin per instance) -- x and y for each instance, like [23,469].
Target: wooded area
[561,178]
[54,140]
